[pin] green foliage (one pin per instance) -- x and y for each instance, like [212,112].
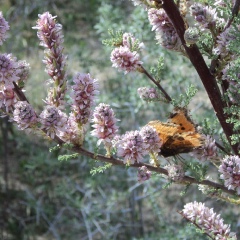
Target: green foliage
[158,71]
[100,169]
[115,40]
[68,157]
[185,99]
[197,170]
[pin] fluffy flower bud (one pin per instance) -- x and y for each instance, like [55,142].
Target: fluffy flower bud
[131,147]
[8,70]
[83,94]
[7,98]
[175,172]
[123,59]
[165,32]
[24,115]
[230,172]
[72,132]
[208,151]
[191,35]
[148,94]
[151,139]
[131,42]
[53,121]
[143,174]
[206,219]
[104,123]
[206,16]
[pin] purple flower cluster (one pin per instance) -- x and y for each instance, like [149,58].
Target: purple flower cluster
[165,32]
[143,174]
[206,16]
[126,57]
[24,115]
[53,121]
[8,70]
[148,94]
[131,147]
[73,133]
[208,151]
[230,172]
[50,35]
[84,91]
[151,139]
[223,41]
[4,27]
[175,172]
[104,124]
[206,219]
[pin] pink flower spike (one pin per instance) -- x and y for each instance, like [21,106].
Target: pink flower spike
[51,37]
[105,124]
[24,115]
[53,121]
[230,172]
[131,147]
[124,60]
[151,139]
[8,70]
[207,220]
[83,94]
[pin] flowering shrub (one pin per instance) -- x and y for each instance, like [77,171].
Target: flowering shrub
[67,122]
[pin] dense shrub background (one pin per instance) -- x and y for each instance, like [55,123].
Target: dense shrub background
[44,198]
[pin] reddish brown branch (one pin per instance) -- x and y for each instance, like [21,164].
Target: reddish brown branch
[118,162]
[204,73]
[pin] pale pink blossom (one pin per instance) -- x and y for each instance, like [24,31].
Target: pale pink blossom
[208,151]
[8,70]
[143,174]
[123,59]
[84,91]
[165,31]
[51,37]
[151,139]
[52,121]
[131,42]
[206,219]
[72,133]
[230,172]
[105,127]
[131,147]
[24,115]
[175,172]
[148,94]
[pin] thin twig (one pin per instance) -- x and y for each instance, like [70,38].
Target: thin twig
[167,97]
[235,10]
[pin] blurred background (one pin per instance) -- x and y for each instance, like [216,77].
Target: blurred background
[43,198]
